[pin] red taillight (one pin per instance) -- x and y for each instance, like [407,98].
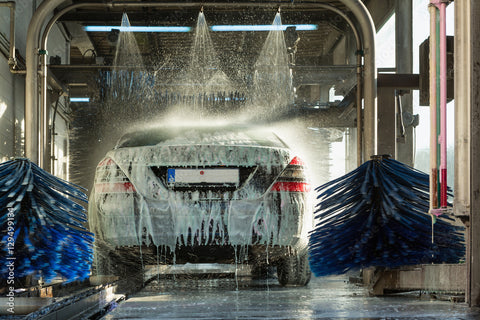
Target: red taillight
[293,178]
[106,162]
[291,187]
[110,178]
[296,161]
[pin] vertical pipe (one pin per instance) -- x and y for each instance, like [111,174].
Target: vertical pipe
[42,160]
[466,52]
[14,116]
[433,108]
[398,125]
[443,106]
[359,108]
[473,246]
[404,64]
[437,96]
[31,81]
[367,31]
[462,83]
[12,61]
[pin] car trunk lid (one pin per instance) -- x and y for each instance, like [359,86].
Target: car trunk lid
[202,171]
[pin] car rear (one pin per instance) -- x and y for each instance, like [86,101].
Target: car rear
[202,187]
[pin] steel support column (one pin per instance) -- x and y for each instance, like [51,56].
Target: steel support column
[404,64]
[386,121]
[467,136]
[367,32]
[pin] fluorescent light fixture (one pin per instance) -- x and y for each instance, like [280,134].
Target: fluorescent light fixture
[137,29]
[79,99]
[257,27]
[264,27]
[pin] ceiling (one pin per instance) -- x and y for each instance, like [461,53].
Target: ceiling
[91,51]
[312,47]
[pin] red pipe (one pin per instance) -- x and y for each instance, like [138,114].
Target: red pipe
[443,105]
[442,6]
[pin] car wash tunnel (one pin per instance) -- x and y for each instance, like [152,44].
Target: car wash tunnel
[305,159]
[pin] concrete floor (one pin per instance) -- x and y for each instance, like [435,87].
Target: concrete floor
[323,298]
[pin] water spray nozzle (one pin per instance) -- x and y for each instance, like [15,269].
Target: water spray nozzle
[278,10]
[201,9]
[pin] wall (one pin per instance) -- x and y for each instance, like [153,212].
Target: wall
[12,86]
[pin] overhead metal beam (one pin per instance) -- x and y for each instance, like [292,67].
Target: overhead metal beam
[284,5]
[399,81]
[174,16]
[312,75]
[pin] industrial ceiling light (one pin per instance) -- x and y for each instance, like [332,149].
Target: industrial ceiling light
[257,27]
[136,29]
[264,27]
[79,99]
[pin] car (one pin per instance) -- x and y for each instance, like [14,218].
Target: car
[203,194]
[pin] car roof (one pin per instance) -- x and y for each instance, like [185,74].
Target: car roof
[201,135]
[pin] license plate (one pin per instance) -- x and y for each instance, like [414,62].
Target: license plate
[203,176]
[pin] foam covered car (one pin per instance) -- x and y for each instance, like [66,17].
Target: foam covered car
[203,195]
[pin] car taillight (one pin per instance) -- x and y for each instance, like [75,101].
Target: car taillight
[111,179]
[293,178]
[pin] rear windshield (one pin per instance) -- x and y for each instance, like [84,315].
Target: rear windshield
[201,136]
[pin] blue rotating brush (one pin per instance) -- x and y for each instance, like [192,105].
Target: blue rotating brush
[377,215]
[41,225]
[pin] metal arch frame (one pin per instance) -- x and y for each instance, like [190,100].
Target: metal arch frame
[35,144]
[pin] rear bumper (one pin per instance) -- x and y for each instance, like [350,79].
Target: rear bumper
[228,254]
[281,219]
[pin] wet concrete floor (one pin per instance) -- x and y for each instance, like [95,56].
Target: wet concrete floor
[323,298]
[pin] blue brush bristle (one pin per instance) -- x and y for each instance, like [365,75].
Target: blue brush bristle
[377,215]
[50,239]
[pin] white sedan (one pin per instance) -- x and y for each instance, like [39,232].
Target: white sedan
[203,194]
